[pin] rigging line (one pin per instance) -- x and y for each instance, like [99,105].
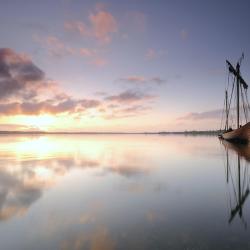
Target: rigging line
[247,99]
[244,179]
[233,113]
[245,91]
[230,101]
[228,76]
[228,189]
[247,102]
[224,111]
[247,173]
[222,115]
[230,200]
[243,103]
[234,189]
[247,180]
[231,94]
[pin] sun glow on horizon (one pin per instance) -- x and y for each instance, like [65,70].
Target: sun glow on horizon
[39,122]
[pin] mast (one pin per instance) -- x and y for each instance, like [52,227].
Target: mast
[239,80]
[238,94]
[226,112]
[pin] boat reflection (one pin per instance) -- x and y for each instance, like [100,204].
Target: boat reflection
[237,178]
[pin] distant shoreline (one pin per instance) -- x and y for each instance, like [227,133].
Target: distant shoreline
[194,132]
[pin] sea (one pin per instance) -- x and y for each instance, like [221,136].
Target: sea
[111,191]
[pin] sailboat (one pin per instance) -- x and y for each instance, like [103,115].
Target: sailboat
[241,134]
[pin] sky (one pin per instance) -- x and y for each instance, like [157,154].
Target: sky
[120,66]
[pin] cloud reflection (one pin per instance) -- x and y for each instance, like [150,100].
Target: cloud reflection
[98,239]
[29,165]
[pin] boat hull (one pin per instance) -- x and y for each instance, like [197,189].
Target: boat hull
[241,134]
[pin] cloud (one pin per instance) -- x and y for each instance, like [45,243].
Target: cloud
[25,90]
[85,52]
[157,80]
[13,127]
[76,26]
[20,80]
[135,79]
[15,195]
[47,107]
[19,76]
[99,62]
[130,96]
[55,46]
[131,111]
[213,114]
[101,25]
[98,237]
[128,171]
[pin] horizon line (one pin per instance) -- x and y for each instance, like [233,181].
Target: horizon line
[98,132]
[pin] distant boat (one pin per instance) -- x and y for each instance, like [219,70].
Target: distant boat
[241,134]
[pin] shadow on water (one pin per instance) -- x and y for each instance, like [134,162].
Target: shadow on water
[237,178]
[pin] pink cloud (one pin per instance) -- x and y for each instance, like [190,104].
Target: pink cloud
[85,52]
[58,48]
[142,80]
[134,79]
[55,46]
[77,26]
[99,62]
[130,96]
[102,25]
[21,79]
[131,111]
[212,114]
[25,89]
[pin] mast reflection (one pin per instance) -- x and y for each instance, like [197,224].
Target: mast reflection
[237,178]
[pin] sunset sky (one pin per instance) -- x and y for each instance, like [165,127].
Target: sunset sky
[81,65]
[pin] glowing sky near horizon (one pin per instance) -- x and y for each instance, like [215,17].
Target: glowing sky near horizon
[71,65]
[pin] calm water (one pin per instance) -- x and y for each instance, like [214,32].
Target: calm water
[123,192]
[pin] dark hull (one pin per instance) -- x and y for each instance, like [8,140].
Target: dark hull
[241,135]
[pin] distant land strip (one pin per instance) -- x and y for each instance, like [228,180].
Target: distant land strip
[193,132]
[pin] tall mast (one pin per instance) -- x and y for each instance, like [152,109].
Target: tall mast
[226,112]
[239,80]
[238,93]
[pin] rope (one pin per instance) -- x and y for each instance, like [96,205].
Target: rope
[245,91]
[230,101]
[222,115]
[243,103]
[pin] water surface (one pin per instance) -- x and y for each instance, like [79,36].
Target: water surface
[123,192]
